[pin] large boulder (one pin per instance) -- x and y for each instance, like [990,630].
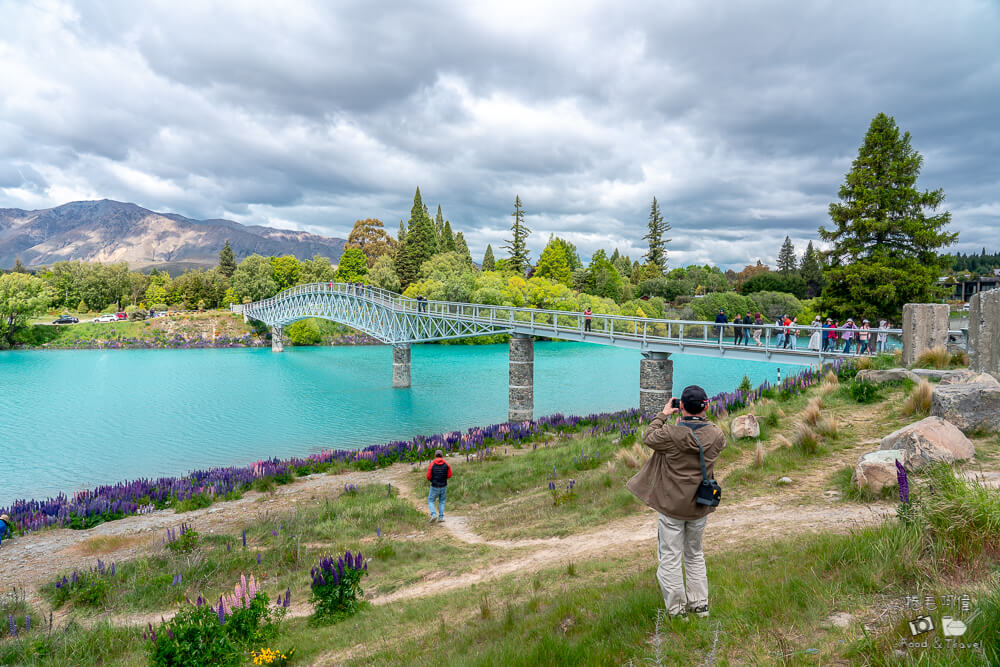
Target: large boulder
[877,470]
[745,426]
[971,406]
[891,375]
[927,441]
[931,374]
[962,376]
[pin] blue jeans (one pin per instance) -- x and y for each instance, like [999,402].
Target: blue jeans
[847,346]
[437,493]
[780,341]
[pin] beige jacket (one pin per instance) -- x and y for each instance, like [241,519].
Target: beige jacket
[669,480]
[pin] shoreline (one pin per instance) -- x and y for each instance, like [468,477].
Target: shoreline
[201,488]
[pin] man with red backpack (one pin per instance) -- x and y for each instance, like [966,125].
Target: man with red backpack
[438,474]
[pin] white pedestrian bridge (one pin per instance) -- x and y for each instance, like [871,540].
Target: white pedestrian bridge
[400,321]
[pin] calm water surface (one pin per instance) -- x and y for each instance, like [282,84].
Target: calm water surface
[73,419]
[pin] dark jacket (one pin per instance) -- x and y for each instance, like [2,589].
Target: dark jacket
[669,480]
[438,472]
[5,530]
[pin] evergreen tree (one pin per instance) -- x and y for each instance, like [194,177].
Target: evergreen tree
[18,266]
[603,278]
[447,240]
[462,248]
[420,243]
[489,263]
[439,227]
[227,260]
[401,236]
[786,257]
[519,260]
[553,265]
[657,255]
[885,242]
[811,271]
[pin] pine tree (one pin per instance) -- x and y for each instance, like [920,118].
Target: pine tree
[401,236]
[447,240]
[885,242]
[439,226]
[227,260]
[552,263]
[786,257]
[519,260]
[489,263]
[18,266]
[657,255]
[811,271]
[420,243]
[462,248]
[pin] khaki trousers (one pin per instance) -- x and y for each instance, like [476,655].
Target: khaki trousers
[680,541]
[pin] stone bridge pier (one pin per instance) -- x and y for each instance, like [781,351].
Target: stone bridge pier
[656,382]
[401,366]
[277,344]
[521,403]
[984,333]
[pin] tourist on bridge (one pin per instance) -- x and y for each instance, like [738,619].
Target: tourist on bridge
[670,483]
[438,473]
[779,331]
[587,314]
[747,330]
[6,527]
[848,335]
[721,319]
[863,334]
[737,329]
[792,332]
[882,338]
[829,336]
[816,339]
[758,323]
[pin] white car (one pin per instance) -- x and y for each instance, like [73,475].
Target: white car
[106,318]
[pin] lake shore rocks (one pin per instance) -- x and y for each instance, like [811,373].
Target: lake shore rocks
[745,426]
[971,406]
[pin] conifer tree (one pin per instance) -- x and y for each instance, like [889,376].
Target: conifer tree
[227,260]
[885,238]
[489,263]
[401,236]
[657,255]
[419,245]
[811,271]
[447,240]
[462,248]
[786,257]
[439,227]
[552,263]
[519,260]
[18,266]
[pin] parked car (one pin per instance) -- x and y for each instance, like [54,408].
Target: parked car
[66,319]
[106,318]
[121,315]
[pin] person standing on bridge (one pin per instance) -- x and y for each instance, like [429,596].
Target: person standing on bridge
[748,330]
[758,328]
[438,473]
[587,314]
[721,320]
[669,482]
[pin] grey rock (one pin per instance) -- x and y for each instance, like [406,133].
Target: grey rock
[930,373]
[890,375]
[958,377]
[984,333]
[925,326]
[928,441]
[877,470]
[785,481]
[970,407]
[745,426]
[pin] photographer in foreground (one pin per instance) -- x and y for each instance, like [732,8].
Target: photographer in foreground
[678,482]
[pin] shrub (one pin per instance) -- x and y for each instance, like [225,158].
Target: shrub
[919,400]
[336,586]
[201,635]
[186,542]
[90,588]
[746,386]
[863,391]
[304,332]
[936,357]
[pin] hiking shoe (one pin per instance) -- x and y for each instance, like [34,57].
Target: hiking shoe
[441,519]
[432,520]
[700,612]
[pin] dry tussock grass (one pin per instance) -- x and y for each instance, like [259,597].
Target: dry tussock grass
[102,544]
[936,357]
[635,456]
[758,458]
[828,427]
[805,438]
[782,441]
[813,411]
[919,400]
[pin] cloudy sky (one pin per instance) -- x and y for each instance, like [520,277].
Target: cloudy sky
[740,117]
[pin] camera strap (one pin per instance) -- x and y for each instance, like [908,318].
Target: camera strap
[701,457]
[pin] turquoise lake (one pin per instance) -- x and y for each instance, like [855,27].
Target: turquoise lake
[71,420]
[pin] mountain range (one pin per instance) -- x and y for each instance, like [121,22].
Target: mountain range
[110,231]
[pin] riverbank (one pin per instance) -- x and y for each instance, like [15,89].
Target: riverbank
[520,574]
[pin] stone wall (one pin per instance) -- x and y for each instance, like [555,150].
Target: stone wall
[401,366]
[656,380]
[521,403]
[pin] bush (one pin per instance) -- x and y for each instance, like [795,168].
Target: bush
[186,542]
[304,332]
[90,588]
[775,304]
[791,284]
[708,307]
[336,586]
[863,391]
[201,635]
[136,314]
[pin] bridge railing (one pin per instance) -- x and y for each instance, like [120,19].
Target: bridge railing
[556,323]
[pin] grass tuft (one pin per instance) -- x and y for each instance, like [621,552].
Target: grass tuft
[919,400]
[936,357]
[805,439]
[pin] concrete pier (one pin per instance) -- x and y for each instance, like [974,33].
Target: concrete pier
[521,405]
[401,366]
[925,326]
[277,344]
[984,333]
[656,382]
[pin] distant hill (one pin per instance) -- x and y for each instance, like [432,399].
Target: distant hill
[110,231]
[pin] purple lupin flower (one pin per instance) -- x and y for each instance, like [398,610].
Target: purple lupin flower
[904,485]
[244,538]
[11,625]
[27,622]
[258,558]
[288,598]
[222,613]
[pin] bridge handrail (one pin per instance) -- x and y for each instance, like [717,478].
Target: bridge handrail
[508,315]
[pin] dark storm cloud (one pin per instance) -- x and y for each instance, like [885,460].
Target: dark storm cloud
[741,118]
